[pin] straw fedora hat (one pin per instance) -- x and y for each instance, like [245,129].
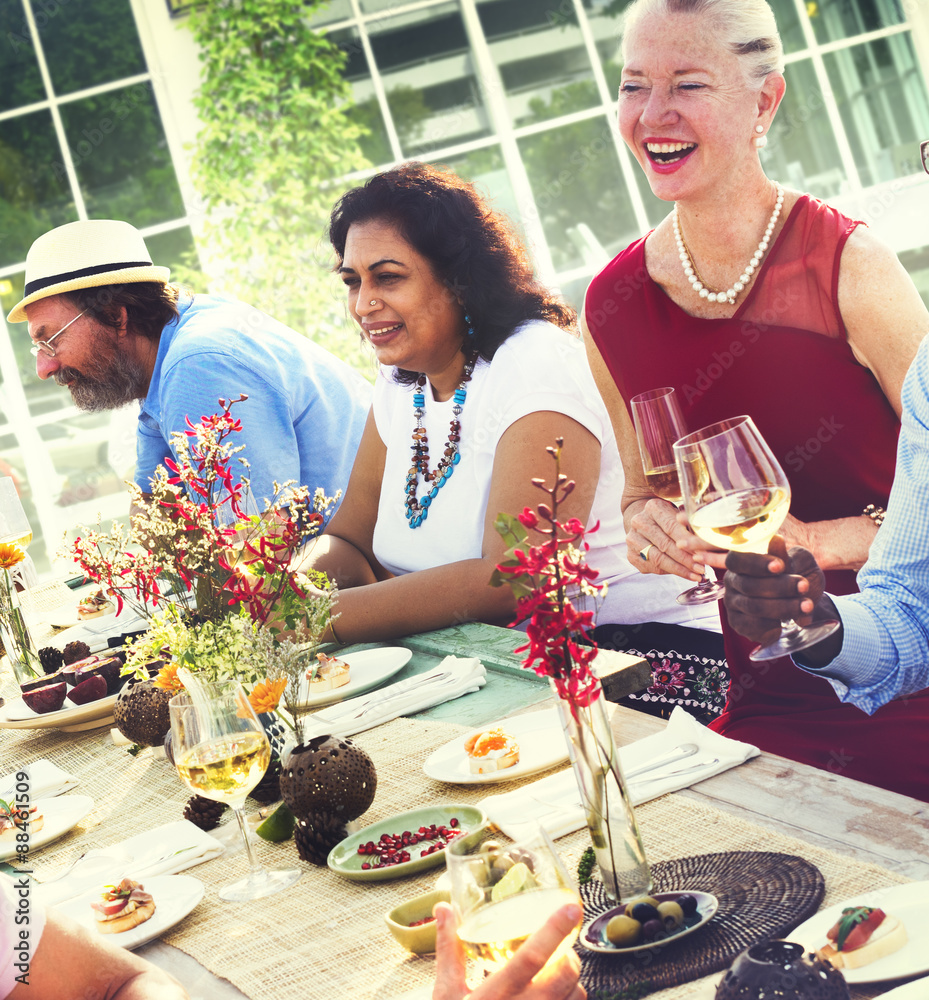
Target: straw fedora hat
[85,254]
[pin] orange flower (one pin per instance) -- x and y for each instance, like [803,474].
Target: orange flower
[10,556]
[168,680]
[266,695]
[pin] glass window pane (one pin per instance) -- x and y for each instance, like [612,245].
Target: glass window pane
[80,452]
[802,150]
[540,53]
[882,99]
[34,192]
[121,157]
[916,263]
[87,44]
[788,25]
[173,248]
[833,20]
[335,10]
[366,110]
[432,92]
[19,70]
[576,181]
[486,170]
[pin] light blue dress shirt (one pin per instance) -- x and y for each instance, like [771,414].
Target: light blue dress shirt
[305,410]
[885,648]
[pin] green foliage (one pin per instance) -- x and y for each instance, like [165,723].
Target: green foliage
[275,136]
[586,865]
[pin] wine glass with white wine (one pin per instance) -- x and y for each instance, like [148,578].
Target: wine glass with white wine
[221,752]
[503,891]
[736,496]
[14,525]
[658,424]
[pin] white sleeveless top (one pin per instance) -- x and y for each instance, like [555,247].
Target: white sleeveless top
[539,367]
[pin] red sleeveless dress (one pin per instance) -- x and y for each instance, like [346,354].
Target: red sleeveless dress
[784,359]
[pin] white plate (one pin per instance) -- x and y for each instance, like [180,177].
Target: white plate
[909,903]
[61,813]
[71,718]
[369,668]
[917,990]
[175,896]
[541,746]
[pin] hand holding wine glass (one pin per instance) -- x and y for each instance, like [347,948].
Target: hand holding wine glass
[737,496]
[658,424]
[503,892]
[221,752]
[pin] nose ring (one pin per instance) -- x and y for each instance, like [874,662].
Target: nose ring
[373,302]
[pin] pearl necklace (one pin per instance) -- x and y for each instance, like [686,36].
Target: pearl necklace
[417,510]
[690,270]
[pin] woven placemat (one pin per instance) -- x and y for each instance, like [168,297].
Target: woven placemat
[761,895]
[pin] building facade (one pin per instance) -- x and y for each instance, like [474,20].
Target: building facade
[516,95]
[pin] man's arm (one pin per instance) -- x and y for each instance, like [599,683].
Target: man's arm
[72,961]
[882,651]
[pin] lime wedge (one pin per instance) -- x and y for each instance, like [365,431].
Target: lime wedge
[517,879]
[278,826]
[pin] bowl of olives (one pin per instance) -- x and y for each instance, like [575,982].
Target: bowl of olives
[648,922]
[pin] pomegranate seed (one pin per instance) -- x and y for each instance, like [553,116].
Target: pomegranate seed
[365,867]
[453,821]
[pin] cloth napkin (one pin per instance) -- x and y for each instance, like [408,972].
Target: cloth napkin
[554,803]
[46,780]
[166,850]
[453,677]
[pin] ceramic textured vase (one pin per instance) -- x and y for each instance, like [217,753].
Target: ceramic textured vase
[610,818]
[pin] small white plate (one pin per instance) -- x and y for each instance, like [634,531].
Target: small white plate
[909,903]
[175,896]
[71,718]
[61,814]
[541,746]
[369,668]
[593,934]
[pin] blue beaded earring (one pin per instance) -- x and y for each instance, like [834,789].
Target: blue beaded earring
[469,336]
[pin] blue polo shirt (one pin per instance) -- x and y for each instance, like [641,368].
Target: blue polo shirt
[305,410]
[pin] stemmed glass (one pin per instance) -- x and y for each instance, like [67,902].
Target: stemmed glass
[503,891]
[737,496]
[221,753]
[14,525]
[658,424]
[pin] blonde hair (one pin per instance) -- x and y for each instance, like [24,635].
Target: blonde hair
[746,26]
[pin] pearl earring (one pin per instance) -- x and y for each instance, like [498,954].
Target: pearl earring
[761,139]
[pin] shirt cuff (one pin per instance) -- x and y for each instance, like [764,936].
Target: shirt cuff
[861,649]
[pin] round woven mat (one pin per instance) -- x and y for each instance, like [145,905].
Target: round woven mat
[761,896]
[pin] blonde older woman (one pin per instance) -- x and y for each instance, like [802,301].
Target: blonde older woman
[750,298]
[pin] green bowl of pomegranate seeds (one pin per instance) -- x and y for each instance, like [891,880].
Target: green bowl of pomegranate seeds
[412,923]
[405,844]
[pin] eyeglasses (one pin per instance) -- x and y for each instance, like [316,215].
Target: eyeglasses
[924,154]
[45,346]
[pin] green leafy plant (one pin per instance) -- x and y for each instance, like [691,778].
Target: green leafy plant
[276,135]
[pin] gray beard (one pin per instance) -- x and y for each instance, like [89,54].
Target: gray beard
[105,384]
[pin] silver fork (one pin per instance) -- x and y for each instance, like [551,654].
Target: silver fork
[117,855]
[679,772]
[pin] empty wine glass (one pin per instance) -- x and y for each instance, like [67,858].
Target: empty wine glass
[658,424]
[503,891]
[221,752]
[737,496]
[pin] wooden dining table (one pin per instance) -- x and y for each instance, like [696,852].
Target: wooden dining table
[329,938]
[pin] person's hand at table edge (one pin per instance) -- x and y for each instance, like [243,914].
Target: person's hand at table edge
[762,589]
[515,980]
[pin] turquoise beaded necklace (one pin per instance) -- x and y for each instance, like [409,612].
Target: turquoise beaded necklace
[417,510]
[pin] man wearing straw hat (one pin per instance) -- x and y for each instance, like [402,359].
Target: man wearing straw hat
[106,324]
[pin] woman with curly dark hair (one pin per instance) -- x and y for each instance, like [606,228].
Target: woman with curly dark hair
[480,366]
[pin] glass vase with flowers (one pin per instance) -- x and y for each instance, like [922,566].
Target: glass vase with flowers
[210,571]
[547,577]
[15,536]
